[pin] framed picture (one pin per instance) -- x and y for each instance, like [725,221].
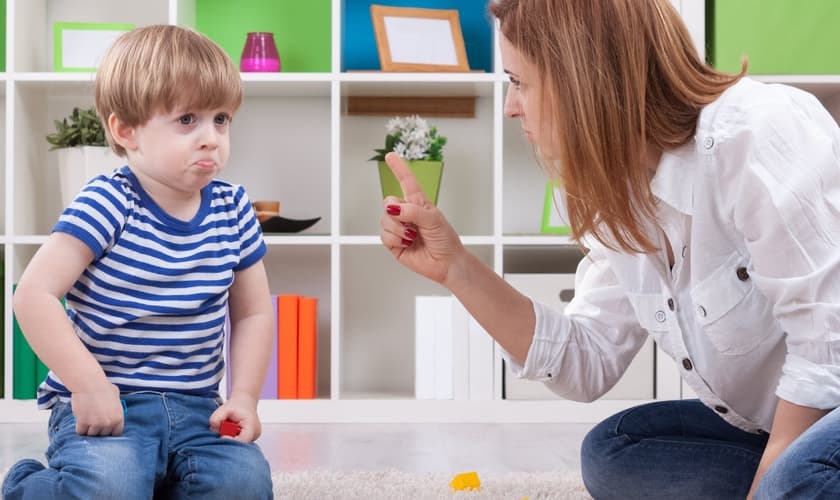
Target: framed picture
[554,218]
[410,39]
[80,46]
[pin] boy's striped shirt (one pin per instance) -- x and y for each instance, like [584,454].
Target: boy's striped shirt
[151,306]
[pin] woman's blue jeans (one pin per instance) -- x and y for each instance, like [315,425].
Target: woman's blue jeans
[167,450]
[684,450]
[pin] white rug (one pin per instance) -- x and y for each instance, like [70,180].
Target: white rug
[396,485]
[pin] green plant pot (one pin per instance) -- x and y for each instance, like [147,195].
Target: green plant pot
[427,173]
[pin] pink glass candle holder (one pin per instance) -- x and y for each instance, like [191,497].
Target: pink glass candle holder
[260,53]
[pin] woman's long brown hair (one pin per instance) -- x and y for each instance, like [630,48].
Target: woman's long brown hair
[618,78]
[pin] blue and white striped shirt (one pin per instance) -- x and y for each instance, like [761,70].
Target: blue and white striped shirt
[151,306]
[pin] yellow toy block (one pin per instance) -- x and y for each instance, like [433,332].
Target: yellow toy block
[465,481]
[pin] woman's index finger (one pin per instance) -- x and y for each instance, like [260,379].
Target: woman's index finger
[410,187]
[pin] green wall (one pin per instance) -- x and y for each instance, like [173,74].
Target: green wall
[301,29]
[777,36]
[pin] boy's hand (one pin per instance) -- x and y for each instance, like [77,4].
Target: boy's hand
[98,412]
[243,411]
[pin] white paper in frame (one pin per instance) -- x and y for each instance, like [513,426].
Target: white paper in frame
[411,39]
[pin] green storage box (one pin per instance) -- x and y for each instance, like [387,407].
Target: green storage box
[779,37]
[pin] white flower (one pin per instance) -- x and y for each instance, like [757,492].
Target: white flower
[411,137]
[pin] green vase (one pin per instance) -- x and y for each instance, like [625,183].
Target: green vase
[427,173]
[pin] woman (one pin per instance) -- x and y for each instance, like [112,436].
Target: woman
[710,205]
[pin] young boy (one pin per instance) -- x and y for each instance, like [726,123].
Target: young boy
[148,259]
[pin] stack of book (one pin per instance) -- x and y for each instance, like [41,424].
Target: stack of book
[293,367]
[453,353]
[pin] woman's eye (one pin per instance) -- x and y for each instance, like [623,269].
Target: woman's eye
[186,119]
[222,119]
[516,83]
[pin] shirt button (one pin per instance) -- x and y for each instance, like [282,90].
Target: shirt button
[659,316]
[708,142]
[684,251]
[701,311]
[721,409]
[687,364]
[742,273]
[671,304]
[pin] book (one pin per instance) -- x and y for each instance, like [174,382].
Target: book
[424,347]
[287,345]
[307,379]
[481,371]
[24,384]
[269,388]
[441,363]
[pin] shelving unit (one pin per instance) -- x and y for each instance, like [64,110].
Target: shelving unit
[293,141]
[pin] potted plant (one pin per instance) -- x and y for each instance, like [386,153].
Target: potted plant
[83,152]
[421,147]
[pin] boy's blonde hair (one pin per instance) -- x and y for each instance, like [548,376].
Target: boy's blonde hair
[617,77]
[161,68]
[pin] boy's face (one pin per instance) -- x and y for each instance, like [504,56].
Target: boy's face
[183,150]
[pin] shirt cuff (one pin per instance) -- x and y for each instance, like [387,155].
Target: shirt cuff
[806,383]
[540,363]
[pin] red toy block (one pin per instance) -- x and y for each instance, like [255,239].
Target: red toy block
[229,428]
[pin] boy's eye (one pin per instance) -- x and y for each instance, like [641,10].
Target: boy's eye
[186,119]
[221,119]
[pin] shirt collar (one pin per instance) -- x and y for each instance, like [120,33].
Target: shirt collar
[673,182]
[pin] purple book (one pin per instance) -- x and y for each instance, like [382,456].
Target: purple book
[227,352]
[269,388]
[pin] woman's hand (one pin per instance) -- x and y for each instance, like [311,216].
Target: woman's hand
[415,231]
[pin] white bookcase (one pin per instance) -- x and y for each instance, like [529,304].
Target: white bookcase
[293,141]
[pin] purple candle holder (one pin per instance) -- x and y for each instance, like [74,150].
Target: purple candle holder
[260,53]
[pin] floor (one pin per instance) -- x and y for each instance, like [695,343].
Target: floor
[488,448]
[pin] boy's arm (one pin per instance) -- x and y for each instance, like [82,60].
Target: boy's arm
[251,336]
[56,266]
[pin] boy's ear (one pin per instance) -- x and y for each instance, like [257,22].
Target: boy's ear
[121,133]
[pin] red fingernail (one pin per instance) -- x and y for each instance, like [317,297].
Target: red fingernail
[406,242]
[410,233]
[393,209]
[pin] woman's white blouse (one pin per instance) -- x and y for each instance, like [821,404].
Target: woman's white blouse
[751,308]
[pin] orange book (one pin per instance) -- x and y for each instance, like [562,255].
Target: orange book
[307,348]
[287,346]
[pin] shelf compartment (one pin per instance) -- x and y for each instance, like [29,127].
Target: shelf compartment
[377,321]
[358,42]
[280,150]
[302,30]
[34,19]
[465,193]
[305,270]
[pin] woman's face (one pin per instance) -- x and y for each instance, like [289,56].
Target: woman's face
[523,91]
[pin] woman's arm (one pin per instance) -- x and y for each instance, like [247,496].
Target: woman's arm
[789,422]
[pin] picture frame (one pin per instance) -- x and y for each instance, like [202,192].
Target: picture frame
[78,47]
[554,218]
[414,39]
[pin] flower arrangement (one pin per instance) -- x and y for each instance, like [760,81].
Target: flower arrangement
[412,138]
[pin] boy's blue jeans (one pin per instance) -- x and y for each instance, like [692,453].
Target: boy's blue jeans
[167,450]
[684,450]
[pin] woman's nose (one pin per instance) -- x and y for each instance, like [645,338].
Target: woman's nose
[512,107]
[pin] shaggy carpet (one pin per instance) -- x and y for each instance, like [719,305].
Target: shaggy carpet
[396,485]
